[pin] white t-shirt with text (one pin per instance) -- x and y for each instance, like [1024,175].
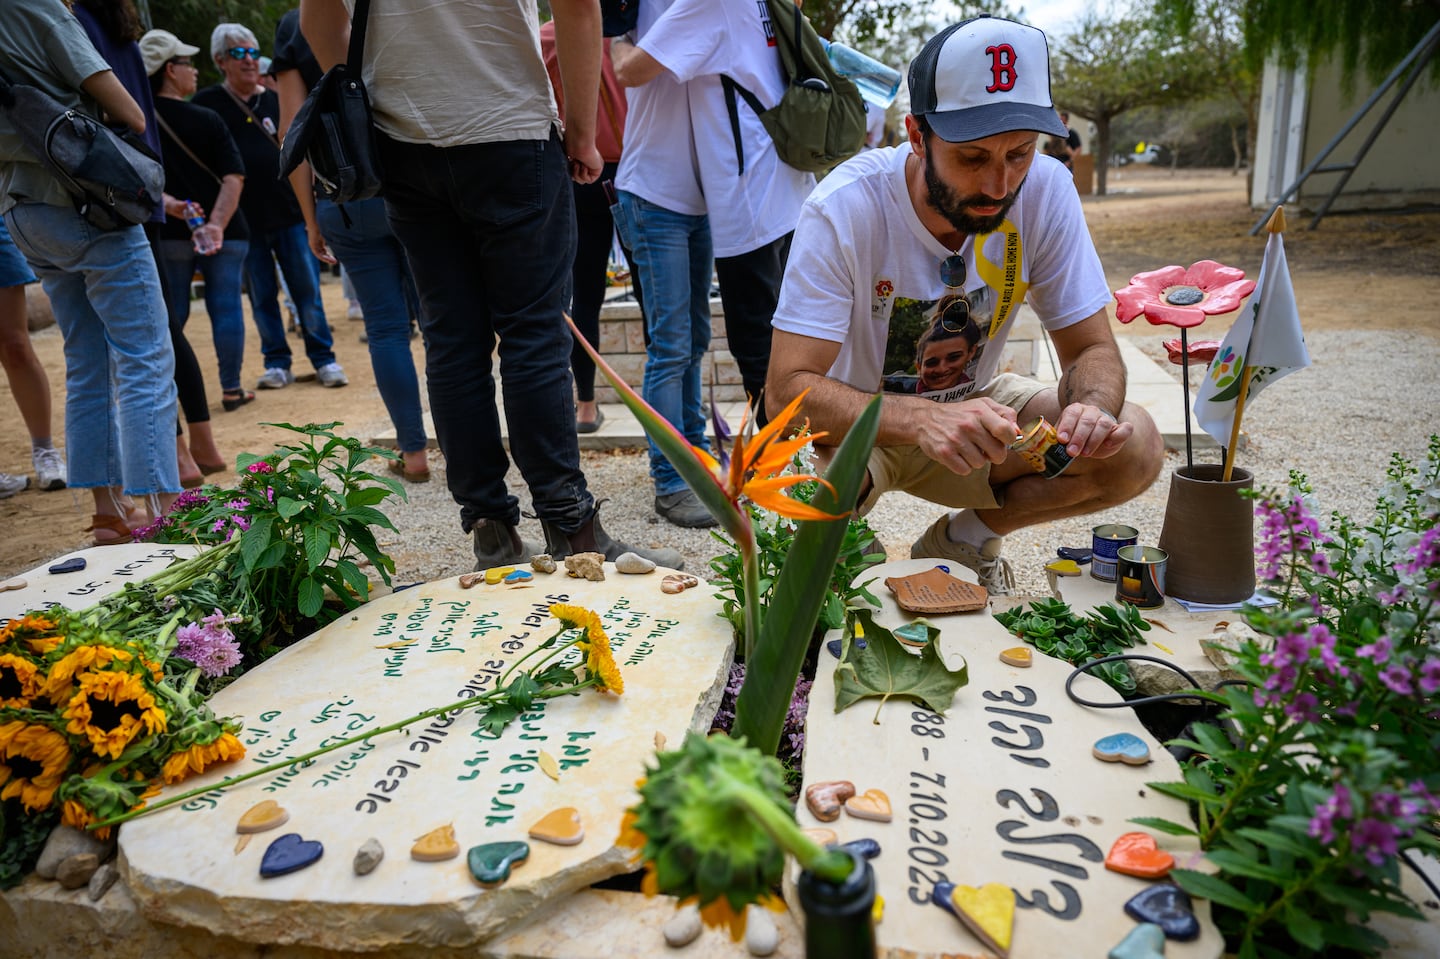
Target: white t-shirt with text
[864,272]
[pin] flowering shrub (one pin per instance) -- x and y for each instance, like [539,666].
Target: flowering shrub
[92,723]
[1331,769]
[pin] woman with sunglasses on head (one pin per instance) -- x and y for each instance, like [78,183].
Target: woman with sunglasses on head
[947,347]
[277,227]
[120,401]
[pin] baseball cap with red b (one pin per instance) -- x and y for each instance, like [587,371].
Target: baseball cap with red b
[982,77]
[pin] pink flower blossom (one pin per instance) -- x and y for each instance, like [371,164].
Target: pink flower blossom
[1396,677]
[1175,296]
[260,466]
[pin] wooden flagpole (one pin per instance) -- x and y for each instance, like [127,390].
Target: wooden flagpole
[1276,224]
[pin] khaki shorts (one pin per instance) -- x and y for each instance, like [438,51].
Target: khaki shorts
[907,469]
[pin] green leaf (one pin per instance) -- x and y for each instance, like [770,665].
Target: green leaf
[354,578]
[1163,825]
[366,496]
[288,506]
[368,515]
[885,668]
[1217,890]
[1303,928]
[521,692]
[496,717]
[1277,840]
[317,546]
[271,556]
[254,540]
[790,621]
[1241,865]
[311,596]
[1183,791]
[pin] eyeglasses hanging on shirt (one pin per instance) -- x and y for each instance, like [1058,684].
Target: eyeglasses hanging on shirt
[956,312]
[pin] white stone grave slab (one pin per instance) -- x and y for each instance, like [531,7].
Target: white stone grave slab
[107,570]
[359,673]
[1002,788]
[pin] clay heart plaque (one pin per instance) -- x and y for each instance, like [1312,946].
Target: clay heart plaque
[872,804]
[561,827]
[437,845]
[289,853]
[1125,748]
[1016,656]
[1168,906]
[491,863]
[1136,854]
[825,799]
[936,591]
[262,816]
[988,912]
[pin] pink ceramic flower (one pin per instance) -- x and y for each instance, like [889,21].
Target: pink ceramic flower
[1202,351]
[1176,296]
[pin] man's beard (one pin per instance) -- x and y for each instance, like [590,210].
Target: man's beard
[951,205]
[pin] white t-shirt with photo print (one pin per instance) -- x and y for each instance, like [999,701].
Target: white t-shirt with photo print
[698,41]
[864,272]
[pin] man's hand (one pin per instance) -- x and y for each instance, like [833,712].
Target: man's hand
[317,242]
[584,158]
[965,436]
[1091,431]
[216,236]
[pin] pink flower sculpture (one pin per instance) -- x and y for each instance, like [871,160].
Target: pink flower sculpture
[1175,296]
[1201,350]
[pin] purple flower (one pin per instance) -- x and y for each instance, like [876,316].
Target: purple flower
[1424,556]
[237,504]
[242,523]
[270,494]
[1430,675]
[259,466]
[218,525]
[1304,708]
[1320,563]
[1375,839]
[1396,676]
[212,647]
[1379,651]
[218,620]
[189,499]
[1338,807]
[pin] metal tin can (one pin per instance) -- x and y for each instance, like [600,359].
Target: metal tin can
[1140,576]
[1038,445]
[1105,543]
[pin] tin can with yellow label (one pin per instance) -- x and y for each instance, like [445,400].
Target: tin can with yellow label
[1038,445]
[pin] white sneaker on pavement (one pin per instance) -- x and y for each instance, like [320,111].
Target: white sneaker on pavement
[275,378]
[10,484]
[49,468]
[331,375]
[992,570]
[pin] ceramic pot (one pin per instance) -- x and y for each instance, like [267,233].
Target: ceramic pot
[1209,534]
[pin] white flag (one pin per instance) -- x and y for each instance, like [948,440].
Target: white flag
[1265,337]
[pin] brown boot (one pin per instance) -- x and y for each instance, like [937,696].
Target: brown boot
[499,544]
[592,538]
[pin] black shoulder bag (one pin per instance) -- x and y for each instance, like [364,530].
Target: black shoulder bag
[335,129]
[115,179]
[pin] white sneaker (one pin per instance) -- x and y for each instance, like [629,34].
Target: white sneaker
[331,375]
[993,571]
[49,468]
[275,378]
[10,484]
[354,312]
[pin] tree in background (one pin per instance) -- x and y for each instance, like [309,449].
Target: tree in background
[1109,65]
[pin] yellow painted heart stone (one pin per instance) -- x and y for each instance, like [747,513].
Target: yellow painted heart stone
[437,845]
[262,816]
[1016,656]
[561,827]
[871,804]
[988,912]
[1064,567]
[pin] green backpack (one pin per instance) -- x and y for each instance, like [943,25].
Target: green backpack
[820,119]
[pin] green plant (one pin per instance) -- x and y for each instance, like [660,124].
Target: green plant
[302,519]
[1331,766]
[1053,628]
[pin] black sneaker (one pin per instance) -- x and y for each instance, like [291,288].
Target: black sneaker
[684,509]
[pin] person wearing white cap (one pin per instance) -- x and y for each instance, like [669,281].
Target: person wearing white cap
[967,205]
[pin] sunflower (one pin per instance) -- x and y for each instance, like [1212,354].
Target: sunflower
[33,760]
[20,681]
[225,748]
[61,684]
[30,629]
[112,709]
[76,816]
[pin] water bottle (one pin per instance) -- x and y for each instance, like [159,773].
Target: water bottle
[195,219]
[878,83]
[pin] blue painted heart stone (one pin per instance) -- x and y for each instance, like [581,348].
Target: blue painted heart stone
[1167,906]
[834,646]
[289,853]
[941,897]
[519,576]
[1122,748]
[1145,941]
[490,863]
[865,848]
[913,634]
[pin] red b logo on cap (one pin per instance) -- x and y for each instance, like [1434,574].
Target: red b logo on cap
[1002,67]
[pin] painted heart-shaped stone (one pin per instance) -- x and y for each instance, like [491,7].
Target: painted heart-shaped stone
[940,896]
[835,647]
[825,799]
[471,580]
[1017,656]
[491,863]
[262,816]
[865,847]
[1145,941]
[519,576]
[988,912]
[1136,854]
[913,634]
[1122,748]
[877,911]
[17,583]
[1168,906]
[560,826]
[437,845]
[495,574]
[872,804]
[825,837]
[1063,567]
[1079,554]
[289,853]
[678,583]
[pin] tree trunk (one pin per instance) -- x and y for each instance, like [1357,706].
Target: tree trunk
[1235,148]
[1102,153]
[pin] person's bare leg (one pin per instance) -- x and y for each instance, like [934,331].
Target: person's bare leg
[189,469]
[28,382]
[586,411]
[202,445]
[415,461]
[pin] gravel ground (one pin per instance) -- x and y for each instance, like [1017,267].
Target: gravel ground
[1327,421]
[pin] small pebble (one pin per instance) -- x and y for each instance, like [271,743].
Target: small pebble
[471,580]
[103,879]
[67,841]
[825,799]
[678,583]
[684,927]
[633,564]
[77,870]
[762,936]
[368,856]
[586,566]
[542,563]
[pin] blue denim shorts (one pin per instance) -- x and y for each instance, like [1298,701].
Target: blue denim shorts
[14,271]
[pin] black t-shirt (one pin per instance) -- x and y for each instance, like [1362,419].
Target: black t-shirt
[268,202]
[208,138]
[292,52]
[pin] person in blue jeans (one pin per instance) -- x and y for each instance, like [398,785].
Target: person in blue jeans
[277,227]
[373,259]
[120,404]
